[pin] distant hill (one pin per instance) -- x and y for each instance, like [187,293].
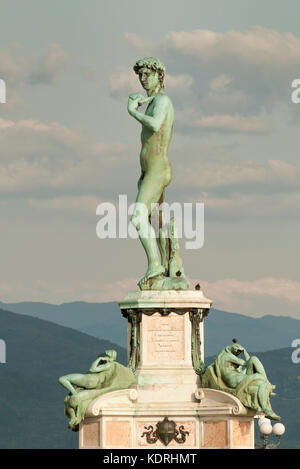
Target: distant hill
[97,319]
[104,320]
[260,334]
[38,352]
[31,399]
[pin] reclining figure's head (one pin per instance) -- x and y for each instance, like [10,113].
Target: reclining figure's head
[236,349]
[108,356]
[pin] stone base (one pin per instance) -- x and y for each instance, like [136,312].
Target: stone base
[165,347]
[165,372]
[167,298]
[165,283]
[162,328]
[118,420]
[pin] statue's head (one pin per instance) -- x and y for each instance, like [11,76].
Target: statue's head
[108,356]
[151,72]
[235,348]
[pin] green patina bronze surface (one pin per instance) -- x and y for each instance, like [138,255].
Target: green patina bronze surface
[244,378]
[104,375]
[164,270]
[196,317]
[134,320]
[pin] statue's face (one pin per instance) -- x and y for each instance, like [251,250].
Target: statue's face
[236,349]
[149,78]
[104,360]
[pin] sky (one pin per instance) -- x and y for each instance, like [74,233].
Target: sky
[68,144]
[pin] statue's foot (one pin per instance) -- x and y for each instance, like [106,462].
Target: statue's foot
[72,423]
[273,393]
[74,427]
[271,415]
[153,271]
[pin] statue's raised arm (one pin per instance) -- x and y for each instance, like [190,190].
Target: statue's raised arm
[153,122]
[104,375]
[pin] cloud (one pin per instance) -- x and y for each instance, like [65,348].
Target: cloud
[229,123]
[220,83]
[240,72]
[112,291]
[179,83]
[257,47]
[135,41]
[50,161]
[50,66]
[224,123]
[15,69]
[258,206]
[233,190]
[268,295]
[78,204]
[247,296]
[75,291]
[32,131]
[125,82]
[213,175]
[89,73]
[38,156]
[44,160]
[11,64]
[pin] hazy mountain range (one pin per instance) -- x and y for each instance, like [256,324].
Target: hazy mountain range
[39,351]
[31,399]
[104,320]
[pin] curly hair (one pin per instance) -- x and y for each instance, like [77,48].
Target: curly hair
[153,64]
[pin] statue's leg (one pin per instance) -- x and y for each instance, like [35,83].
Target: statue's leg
[88,381]
[263,396]
[81,401]
[163,239]
[150,192]
[70,412]
[254,365]
[73,418]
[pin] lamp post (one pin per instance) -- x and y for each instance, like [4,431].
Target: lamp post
[266,429]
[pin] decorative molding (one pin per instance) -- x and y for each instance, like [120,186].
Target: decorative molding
[166,431]
[196,317]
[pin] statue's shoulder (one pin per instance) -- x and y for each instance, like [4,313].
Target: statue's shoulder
[162,98]
[223,354]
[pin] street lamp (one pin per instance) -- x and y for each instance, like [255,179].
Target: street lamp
[266,429]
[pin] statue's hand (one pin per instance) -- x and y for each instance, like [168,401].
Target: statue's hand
[246,355]
[135,100]
[136,96]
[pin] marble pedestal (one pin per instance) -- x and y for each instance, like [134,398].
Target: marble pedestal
[165,337]
[165,347]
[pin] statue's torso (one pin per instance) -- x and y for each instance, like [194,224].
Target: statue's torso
[231,373]
[155,145]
